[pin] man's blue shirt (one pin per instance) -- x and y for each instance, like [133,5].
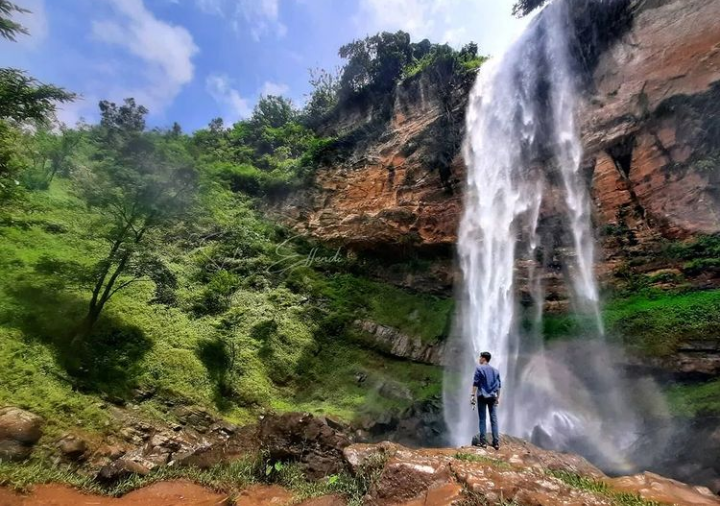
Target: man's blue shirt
[487,380]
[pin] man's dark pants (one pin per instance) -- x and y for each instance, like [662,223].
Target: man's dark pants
[488,402]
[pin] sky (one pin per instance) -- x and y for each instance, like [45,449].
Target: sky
[193,60]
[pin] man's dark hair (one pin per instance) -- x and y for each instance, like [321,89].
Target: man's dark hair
[486,355]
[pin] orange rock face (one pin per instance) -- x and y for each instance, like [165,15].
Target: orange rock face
[653,90]
[645,130]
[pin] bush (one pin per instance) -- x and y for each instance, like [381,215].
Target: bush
[701,265]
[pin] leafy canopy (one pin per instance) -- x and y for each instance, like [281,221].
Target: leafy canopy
[9,28]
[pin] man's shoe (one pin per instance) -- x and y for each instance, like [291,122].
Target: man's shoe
[478,441]
[496,446]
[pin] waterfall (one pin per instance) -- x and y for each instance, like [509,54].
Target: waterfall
[523,153]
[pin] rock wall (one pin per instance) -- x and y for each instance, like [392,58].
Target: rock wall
[650,128]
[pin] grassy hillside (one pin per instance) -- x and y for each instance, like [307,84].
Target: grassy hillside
[237,336]
[653,322]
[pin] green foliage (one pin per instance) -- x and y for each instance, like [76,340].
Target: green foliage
[706,246]
[324,96]
[525,7]
[269,154]
[658,322]
[230,477]
[377,63]
[24,98]
[140,182]
[374,63]
[13,159]
[653,322]
[266,347]
[9,29]
[446,58]
[273,112]
[422,315]
[695,399]
[701,265]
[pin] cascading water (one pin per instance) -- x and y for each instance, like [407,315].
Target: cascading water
[523,151]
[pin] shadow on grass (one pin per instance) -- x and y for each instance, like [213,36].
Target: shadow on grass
[107,361]
[217,355]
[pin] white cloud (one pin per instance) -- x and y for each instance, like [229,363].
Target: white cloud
[165,50]
[258,17]
[416,17]
[271,88]
[456,22]
[220,88]
[35,21]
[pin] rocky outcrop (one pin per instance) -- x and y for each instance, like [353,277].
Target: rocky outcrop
[20,430]
[392,341]
[649,126]
[310,441]
[392,191]
[651,123]
[519,473]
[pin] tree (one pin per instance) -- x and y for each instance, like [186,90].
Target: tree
[525,7]
[9,28]
[22,99]
[51,154]
[324,96]
[273,111]
[140,181]
[374,63]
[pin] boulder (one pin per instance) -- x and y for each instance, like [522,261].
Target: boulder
[305,439]
[19,431]
[73,448]
[120,469]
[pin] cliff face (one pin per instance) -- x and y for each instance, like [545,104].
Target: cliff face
[652,125]
[650,129]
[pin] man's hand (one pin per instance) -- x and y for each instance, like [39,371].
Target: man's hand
[472,399]
[497,401]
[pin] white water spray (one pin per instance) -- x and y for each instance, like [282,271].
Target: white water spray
[523,151]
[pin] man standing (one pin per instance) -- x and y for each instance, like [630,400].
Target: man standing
[486,389]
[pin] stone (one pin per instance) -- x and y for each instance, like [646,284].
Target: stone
[121,469]
[394,390]
[20,430]
[305,439]
[72,447]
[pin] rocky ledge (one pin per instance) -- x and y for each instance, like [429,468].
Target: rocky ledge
[518,474]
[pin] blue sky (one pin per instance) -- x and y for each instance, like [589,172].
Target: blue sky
[193,60]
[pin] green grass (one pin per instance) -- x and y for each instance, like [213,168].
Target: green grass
[652,322]
[696,399]
[278,342]
[422,315]
[598,487]
[228,478]
[471,457]
[656,323]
